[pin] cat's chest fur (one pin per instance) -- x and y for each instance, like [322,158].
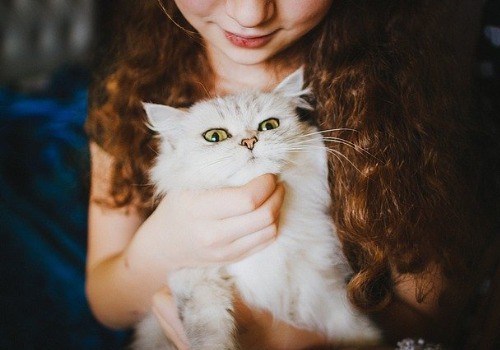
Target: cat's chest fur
[306,240]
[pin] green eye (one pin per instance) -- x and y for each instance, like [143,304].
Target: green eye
[269,124]
[216,135]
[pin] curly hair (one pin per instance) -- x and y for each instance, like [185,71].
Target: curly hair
[384,80]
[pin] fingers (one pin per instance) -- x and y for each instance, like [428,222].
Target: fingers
[165,310]
[246,246]
[230,238]
[235,201]
[235,238]
[251,244]
[266,215]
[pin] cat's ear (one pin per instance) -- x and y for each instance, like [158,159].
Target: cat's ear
[293,85]
[162,118]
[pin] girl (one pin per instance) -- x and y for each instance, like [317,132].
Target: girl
[404,213]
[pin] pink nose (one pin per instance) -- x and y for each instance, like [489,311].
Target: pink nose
[249,143]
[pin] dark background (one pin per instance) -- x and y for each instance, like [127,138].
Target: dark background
[44,180]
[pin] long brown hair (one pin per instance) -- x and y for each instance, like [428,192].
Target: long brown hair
[384,74]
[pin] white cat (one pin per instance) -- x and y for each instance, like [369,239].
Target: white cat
[300,278]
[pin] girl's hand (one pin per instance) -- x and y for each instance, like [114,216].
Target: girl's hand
[165,310]
[200,228]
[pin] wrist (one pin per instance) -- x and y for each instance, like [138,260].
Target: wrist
[144,256]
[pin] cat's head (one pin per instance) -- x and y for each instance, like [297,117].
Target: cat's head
[229,140]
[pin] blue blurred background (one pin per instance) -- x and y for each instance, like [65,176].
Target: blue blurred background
[48,51]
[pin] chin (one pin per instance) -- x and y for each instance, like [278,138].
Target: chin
[248,60]
[249,57]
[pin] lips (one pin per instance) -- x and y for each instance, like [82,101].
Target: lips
[249,42]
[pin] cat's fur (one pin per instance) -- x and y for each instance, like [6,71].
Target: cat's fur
[300,278]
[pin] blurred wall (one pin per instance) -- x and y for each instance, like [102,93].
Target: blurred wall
[37,36]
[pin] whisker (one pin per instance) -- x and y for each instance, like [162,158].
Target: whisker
[337,140]
[340,141]
[353,146]
[327,130]
[339,155]
[347,143]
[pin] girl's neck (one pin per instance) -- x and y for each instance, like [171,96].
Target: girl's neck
[231,77]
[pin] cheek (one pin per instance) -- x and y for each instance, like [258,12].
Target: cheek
[197,8]
[306,13]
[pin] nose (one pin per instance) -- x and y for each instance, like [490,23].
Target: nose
[249,143]
[250,13]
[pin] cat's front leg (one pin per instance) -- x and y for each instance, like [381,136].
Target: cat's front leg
[205,302]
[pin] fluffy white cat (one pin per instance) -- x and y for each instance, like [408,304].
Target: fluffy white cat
[300,278]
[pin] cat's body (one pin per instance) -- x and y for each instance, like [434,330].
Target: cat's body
[300,278]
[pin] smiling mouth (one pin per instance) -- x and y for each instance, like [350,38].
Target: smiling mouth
[249,42]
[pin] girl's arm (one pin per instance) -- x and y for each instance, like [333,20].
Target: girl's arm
[118,298]
[129,256]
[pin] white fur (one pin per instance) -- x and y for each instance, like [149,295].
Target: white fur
[300,277]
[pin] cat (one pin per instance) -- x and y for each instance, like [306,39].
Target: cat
[300,278]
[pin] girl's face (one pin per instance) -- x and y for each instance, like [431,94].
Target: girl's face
[252,31]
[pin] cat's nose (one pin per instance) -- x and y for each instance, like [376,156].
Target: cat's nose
[249,143]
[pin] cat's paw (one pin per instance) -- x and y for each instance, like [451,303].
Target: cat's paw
[352,329]
[362,334]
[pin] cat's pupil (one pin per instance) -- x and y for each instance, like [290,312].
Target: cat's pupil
[269,124]
[215,137]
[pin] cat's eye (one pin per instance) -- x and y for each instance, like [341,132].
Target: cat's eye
[269,124]
[216,135]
